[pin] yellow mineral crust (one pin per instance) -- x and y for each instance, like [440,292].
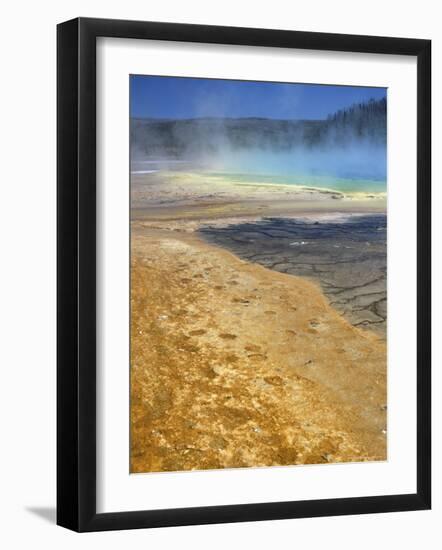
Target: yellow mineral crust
[235,365]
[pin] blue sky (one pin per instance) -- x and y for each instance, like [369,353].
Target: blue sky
[172,97]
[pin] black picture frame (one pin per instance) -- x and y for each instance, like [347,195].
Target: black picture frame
[76,274]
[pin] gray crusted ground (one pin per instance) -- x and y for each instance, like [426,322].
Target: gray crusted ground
[347,257]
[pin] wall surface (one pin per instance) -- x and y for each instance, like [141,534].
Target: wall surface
[27,292]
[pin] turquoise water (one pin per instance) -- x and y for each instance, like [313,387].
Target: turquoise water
[345,185]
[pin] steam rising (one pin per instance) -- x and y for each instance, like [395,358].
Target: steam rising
[349,144]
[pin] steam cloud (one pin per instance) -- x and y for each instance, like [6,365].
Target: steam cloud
[349,144]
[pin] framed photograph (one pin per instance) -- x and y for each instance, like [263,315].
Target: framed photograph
[243,274]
